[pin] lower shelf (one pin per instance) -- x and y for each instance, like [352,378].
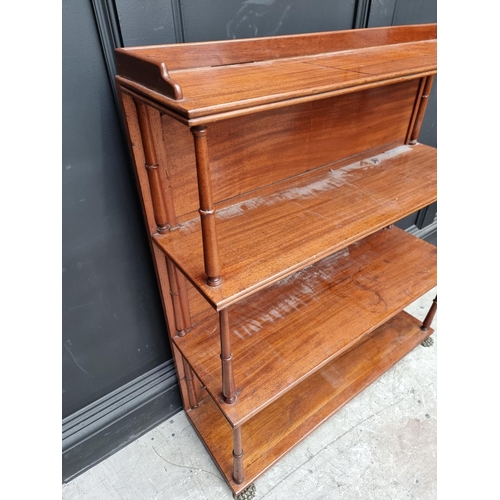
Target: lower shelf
[283,424]
[282,334]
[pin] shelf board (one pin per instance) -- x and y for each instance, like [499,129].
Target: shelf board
[216,89]
[278,428]
[302,220]
[285,332]
[207,80]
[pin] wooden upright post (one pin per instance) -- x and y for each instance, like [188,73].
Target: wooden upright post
[207,210]
[228,386]
[159,205]
[421,109]
[430,316]
[238,474]
[179,314]
[182,320]
[193,399]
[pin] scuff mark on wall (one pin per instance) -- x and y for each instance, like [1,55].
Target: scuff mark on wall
[67,345]
[258,18]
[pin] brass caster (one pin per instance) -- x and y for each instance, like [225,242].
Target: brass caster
[427,342]
[247,494]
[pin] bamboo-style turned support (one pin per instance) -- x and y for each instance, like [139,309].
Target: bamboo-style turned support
[414,113]
[181,325]
[238,474]
[193,400]
[430,316]
[207,209]
[228,386]
[159,206]
[421,109]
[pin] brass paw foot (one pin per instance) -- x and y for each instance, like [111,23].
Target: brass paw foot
[427,342]
[247,494]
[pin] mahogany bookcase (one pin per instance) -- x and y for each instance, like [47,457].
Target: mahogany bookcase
[271,172]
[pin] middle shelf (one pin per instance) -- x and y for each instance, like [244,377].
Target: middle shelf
[310,215]
[282,334]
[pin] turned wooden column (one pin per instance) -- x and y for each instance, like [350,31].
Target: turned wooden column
[193,399]
[238,474]
[430,316]
[228,386]
[182,320]
[207,209]
[159,204]
[421,109]
[180,314]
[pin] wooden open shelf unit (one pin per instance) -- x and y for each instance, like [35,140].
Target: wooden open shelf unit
[271,171]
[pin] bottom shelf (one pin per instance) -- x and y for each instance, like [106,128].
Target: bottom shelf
[283,424]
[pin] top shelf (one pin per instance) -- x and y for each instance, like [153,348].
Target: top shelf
[219,78]
[298,221]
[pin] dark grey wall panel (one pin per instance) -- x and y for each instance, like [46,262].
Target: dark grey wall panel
[381,13]
[227,19]
[147,22]
[110,423]
[113,326]
[415,12]
[397,12]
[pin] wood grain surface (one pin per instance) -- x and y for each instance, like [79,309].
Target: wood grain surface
[249,152]
[295,223]
[296,152]
[227,88]
[226,52]
[285,332]
[283,424]
[216,77]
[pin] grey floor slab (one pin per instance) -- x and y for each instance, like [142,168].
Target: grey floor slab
[382,445]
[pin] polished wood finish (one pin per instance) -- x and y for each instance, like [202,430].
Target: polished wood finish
[323,63]
[129,111]
[275,170]
[276,145]
[292,328]
[283,424]
[238,474]
[193,400]
[416,107]
[180,317]
[311,216]
[421,110]
[206,210]
[226,356]
[262,83]
[430,315]
[155,100]
[159,206]
[224,53]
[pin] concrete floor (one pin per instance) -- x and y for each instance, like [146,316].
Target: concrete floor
[381,445]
